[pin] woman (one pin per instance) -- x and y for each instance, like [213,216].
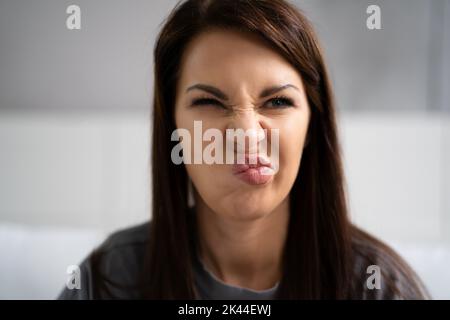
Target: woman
[231,231]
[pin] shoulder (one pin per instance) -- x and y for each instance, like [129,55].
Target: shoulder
[371,259]
[126,240]
[121,255]
[113,269]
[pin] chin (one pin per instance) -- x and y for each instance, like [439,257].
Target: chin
[245,209]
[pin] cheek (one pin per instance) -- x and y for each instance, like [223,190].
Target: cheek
[292,140]
[211,190]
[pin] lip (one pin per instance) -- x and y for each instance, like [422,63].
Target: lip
[258,173]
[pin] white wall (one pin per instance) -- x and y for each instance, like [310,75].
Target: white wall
[397,173]
[76,171]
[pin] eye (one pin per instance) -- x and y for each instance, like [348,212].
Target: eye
[279,102]
[207,102]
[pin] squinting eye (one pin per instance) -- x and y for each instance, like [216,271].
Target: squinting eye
[206,101]
[279,102]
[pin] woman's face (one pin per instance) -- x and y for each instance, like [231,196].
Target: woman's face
[230,80]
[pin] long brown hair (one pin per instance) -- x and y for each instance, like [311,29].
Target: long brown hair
[317,254]
[321,246]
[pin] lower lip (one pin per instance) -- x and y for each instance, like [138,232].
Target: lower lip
[256,175]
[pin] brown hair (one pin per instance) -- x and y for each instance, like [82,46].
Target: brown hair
[318,258]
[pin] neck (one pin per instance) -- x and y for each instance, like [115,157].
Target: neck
[243,253]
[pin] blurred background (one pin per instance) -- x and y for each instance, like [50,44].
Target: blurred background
[75,125]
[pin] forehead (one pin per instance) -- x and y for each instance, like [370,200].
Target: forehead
[219,56]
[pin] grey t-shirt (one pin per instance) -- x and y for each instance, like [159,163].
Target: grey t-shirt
[122,259]
[210,287]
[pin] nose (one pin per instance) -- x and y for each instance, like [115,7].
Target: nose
[245,131]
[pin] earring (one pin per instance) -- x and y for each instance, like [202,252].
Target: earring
[190,191]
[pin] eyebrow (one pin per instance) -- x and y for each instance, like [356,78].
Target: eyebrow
[221,95]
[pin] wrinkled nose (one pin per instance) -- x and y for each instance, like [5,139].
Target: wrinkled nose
[245,132]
